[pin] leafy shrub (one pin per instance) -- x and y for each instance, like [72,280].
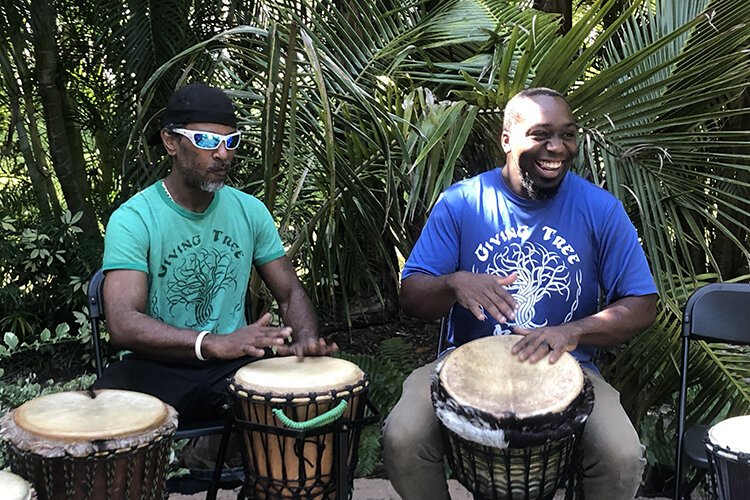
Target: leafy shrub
[386,372]
[42,297]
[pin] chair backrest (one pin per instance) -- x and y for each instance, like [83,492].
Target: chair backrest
[96,314]
[719,312]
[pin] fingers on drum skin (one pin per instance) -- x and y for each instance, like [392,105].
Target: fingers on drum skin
[330,348]
[249,350]
[539,353]
[531,348]
[554,356]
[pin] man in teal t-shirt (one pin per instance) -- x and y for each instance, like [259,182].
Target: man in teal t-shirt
[178,258]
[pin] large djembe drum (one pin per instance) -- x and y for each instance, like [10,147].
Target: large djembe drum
[300,422]
[728,450]
[106,444]
[13,487]
[510,429]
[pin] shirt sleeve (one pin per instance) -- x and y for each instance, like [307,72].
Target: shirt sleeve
[126,242]
[268,244]
[437,249]
[624,268]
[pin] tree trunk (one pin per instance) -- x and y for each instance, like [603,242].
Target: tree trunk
[27,93]
[37,179]
[107,163]
[564,7]
[67,158]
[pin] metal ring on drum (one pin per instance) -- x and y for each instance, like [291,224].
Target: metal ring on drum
[291,413]
[109,444]
[728,449]
[511,430]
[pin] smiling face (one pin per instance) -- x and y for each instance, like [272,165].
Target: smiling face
[540,145]
[200,168]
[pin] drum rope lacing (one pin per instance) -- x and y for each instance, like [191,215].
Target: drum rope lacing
[25,463]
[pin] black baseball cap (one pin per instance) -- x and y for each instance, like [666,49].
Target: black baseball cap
[197,103]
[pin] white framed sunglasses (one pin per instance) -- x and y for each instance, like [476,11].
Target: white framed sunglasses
[209,140]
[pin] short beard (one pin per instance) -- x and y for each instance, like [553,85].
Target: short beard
[211,187]
[535,192]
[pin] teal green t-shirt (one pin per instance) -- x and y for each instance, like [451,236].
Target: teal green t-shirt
[198,264]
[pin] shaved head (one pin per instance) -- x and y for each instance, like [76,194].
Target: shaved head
[512,112]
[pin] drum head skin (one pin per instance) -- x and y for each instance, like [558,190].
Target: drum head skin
[483,374]
[732,434]
[290,375]
[76,416]
[13,487]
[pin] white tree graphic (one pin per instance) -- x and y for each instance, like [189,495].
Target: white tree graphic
[541,274]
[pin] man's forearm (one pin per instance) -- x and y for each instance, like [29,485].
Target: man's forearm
[150,337]
[617,323]
[299,314]
[426,297]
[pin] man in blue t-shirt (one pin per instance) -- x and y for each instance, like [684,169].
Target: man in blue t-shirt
[178,258]
[527,249]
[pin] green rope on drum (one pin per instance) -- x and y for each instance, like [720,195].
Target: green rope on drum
[323,419]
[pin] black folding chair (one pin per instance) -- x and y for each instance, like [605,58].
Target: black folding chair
[719,312]
[189,430]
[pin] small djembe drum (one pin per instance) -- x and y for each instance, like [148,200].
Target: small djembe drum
[13,487]
[728,450]
[290,411]
[106,444]
[510,428]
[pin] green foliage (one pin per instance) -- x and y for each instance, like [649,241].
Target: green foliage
[42,300]
[386,372]
[658,436]
[370,454]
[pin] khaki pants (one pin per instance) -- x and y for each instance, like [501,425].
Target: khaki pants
[413,451]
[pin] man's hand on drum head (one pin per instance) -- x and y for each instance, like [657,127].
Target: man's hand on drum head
[307,343]
[538,342]
[250,340]
[484,294]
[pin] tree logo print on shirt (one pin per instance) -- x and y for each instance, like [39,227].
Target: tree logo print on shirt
[542,274]
[197,280]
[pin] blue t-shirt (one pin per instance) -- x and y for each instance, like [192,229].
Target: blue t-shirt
[568,251]
[198,264]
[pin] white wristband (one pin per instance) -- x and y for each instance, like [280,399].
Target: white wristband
[198,342]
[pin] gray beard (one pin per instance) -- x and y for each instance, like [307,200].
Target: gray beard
[535,192]
[211,187]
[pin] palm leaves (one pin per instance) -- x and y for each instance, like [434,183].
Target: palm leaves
[357,118]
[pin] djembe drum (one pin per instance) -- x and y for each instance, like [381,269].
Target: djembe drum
[728,450]
[289,411]
[510,429]
[106,444]
[13,487]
